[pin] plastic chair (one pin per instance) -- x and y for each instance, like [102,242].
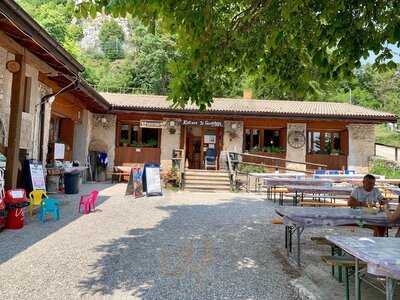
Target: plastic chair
[88,202]
[320,172]
[349,172]
[49,206]
[36,198]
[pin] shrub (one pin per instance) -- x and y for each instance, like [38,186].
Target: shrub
[389,169]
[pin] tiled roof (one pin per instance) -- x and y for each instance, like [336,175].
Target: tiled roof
[284,108]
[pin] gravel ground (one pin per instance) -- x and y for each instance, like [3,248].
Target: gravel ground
[179,246]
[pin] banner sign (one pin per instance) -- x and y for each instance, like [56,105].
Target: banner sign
[152,123]
[135,184]
[203,123]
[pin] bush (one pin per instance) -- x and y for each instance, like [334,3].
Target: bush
[171,179]
[389,169]
[251,169]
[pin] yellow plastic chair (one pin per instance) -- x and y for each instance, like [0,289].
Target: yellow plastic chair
[36,198]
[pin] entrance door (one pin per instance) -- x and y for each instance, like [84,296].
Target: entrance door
[193,147]
[201,142]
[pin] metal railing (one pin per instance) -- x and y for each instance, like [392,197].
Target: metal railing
[387,151]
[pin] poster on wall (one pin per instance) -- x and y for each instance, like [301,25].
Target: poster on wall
[59,151]
[209,139]
[152,180]
[37,175]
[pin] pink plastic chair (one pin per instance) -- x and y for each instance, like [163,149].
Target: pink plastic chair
[88,202]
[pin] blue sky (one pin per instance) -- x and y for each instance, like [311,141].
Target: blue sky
[372,56]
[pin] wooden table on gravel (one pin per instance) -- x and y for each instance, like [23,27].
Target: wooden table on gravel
[318,190]
[381,255]
[296,219]
[271,183]
[259,176]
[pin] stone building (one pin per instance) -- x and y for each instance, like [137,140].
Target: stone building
[147,128]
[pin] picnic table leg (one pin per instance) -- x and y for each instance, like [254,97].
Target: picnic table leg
[390,287]
[299,230]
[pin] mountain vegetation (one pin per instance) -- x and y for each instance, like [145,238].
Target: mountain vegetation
[155,58]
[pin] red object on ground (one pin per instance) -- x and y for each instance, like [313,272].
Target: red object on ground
[15,200]
[2,213]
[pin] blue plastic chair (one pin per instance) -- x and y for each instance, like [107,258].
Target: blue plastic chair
[348,172]
[320,172]
[333,172]
[49,206]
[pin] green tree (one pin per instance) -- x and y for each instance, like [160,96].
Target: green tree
[112,38]
[286,40]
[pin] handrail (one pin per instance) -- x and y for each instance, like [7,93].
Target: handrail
[230,169]
[277,167]
[280,159]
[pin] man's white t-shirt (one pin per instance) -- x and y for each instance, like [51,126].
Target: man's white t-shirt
[362,195]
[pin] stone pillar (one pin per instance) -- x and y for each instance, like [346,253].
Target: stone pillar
[361,146]
[232,140]
[82,138]
[296,145]
[169,141]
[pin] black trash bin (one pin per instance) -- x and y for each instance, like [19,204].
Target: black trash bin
[71,182]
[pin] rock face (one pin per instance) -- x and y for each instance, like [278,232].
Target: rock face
[91,29]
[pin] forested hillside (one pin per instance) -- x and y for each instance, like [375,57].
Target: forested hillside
[136,58]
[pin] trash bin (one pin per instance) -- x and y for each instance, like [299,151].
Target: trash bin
[71,182]
[15,201]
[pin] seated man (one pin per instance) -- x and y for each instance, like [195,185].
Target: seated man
[367,195]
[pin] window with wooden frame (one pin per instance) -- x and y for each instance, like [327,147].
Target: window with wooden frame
[325,142]
[263,140]
[133,136]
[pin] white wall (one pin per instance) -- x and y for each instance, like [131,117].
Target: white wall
[361,146]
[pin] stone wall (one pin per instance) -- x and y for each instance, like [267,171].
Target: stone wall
[296,148]
[169,142]
[361,146]
[103,130]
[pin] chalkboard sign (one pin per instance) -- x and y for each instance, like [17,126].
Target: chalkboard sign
[152,180]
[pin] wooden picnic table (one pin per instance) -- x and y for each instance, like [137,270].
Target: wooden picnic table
[345,177]
[296,219]
[259,176]
[381,255]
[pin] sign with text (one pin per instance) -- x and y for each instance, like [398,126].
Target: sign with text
[203,123]
[152,179]
[37,176]
[152,123]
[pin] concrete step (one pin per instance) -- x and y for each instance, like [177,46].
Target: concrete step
[206,189]
[206,178]
[207,183]
[206,173]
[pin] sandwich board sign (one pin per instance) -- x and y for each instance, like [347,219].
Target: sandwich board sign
[135,183]
[152,180]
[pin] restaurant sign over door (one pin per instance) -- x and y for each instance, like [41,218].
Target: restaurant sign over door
[152,123]
[203,123]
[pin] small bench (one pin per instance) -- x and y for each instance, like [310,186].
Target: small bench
[346,262]
[277,221]
[320,240]
[325,204]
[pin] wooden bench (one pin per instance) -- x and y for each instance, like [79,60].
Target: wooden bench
[277,221]
[320,240]
[325,204]
[346,262]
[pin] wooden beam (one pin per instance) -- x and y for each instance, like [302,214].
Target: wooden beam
[14,129]
[12,46]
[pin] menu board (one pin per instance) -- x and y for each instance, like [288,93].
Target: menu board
[152,179]
[37,176]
